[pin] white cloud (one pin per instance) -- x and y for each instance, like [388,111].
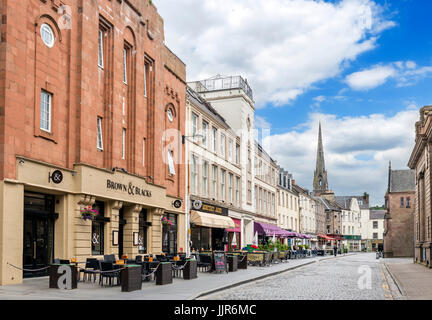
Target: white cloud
[281,47]
[369,79]
[356,149]
[404,73]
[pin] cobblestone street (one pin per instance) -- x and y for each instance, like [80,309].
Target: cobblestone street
[332,279]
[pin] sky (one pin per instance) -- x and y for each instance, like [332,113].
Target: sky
[363,68]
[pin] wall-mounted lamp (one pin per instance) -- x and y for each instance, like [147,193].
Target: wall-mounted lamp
[21,161]
[150,177]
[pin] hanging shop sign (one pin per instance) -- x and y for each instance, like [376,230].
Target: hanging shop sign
[130,189]
[56,177]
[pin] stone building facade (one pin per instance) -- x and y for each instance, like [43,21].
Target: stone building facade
[420,162]
[232,98]
[287,202]
[214,176]
[399,218]
[91,115]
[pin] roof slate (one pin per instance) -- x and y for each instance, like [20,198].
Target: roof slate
[402,180]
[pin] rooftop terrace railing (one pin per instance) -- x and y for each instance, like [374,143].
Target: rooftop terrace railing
[224,83]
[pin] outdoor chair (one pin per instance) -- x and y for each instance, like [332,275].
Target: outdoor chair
[204,261]
[64,261]
[91,269]
[56,261]
[109,258]
[138,259]
[161,258]
[108,266]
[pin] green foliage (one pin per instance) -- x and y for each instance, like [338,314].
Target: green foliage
[270,246]
[378,207]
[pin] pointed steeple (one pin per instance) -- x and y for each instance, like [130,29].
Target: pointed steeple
[320,184]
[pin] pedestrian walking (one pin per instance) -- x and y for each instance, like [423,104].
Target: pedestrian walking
[335,249]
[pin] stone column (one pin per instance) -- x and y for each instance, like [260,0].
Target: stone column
[131,215]
[83,229]
[112,212]
[11,232]
[155,230]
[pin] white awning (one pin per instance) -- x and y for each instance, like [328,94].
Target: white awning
[211,220]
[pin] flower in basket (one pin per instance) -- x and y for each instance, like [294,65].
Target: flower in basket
[166,222]
[88,213]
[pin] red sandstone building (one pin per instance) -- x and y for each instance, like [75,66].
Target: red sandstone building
[420,162]
[399,217]
[92,109]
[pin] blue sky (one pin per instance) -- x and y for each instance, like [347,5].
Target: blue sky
[410,40]
[363,68]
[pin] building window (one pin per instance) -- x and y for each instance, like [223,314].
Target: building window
[124,144]
[237,191]
[170,115]
[205,126]
[101,49]
[47,35]
[230,150]
[46,111]
[169,235]
[402,202]
[230,187]
[194,125]
[125,54]
[98,234]
[249,194]
[214,130]
[375,235]
[237,154]
[408,202]
[214,181]
[375,224]
[171,167]
[222,184]
[222,146]
[205,179]
[99,134]
[142,232]
[194,175]
[145,79]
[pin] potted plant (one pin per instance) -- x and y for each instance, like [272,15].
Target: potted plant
[89,213]
[166,222]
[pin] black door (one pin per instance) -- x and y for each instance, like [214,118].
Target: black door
[38,244]
[38,234]
[122,222]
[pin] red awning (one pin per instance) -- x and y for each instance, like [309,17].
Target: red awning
[323,236]
[237,228]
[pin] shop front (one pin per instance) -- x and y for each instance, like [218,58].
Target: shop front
[45,217]
[209,225]
[234,236]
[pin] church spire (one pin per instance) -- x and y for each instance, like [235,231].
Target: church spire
[320,183]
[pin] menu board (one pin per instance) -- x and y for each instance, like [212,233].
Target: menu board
[219,261]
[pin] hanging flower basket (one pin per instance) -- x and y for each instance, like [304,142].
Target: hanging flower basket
[166,222]
[89,213]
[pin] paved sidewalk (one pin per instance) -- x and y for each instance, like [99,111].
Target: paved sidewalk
[413,280]
[37,289]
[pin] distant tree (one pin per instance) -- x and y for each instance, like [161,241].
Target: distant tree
[378,207]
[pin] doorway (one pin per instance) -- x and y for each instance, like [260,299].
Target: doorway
[38,247]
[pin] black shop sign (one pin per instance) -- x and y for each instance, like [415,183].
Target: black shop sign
[209,208]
